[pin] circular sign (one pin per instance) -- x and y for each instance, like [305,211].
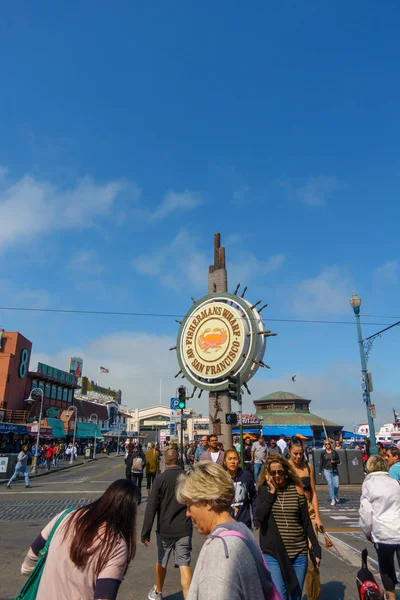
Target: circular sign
[220,336]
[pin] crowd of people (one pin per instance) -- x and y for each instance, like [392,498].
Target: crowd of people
[274,493]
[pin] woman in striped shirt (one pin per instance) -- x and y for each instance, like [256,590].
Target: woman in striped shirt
[285,526]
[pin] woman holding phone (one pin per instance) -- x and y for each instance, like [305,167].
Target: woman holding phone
[285,526]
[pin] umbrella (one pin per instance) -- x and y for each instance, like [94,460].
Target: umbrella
[248,435]
[302,437]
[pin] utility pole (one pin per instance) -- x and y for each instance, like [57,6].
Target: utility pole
[182,406]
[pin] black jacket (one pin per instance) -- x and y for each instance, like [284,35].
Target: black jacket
[245,496]
[329,461]
[172,521]
[129,461]
[271,541]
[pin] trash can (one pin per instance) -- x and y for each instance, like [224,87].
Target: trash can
[355,466]
[343,472]
[87,453]
[7,465]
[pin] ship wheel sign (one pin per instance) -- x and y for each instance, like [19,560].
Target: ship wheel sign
[221,335]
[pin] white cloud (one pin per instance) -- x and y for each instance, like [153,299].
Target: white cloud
[85,262]
[19,296]
[246,267]
[327,293]
[317,190]
[175,201]
[29,206]
[388,272]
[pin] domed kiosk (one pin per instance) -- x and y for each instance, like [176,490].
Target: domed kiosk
[283,412]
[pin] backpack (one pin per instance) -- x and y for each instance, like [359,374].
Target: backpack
[268,587]
[137,464]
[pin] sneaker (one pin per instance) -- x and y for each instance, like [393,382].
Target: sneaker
[8,487]
[27,486]
[333,502]
[337,499]
[154,595]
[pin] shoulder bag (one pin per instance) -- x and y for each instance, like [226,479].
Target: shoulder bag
[30,589]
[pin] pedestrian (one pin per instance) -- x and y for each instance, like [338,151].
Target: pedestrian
[137,467]
[328,467]
[151,465]
[21,467]
[213,453]
[174,528]
[286,528]
[200,449]
[274,448]
[247,456]
[381,449]
[128,460]
[243,507]
[338,446]
[282,444]
[258,454]
[393,460]
[312,584]
[48,456]
[379,519]
[230,563]
[91,548]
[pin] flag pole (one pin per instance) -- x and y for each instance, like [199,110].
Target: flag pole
[98,376]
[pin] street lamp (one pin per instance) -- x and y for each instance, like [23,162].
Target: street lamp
[95,431]
[32,399]
[67,414]
[355,303]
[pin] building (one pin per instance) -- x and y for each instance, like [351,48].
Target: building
[283,412]
[146,423]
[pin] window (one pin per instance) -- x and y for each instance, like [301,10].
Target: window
[54,392]
[59,393]
[65,394]
[47,390]
[41,385]
[70,396]
[34,384]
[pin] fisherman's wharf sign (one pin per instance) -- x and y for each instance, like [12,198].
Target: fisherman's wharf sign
[220,336]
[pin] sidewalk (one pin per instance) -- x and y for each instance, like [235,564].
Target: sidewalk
[65,465]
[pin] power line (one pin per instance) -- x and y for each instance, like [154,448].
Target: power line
[174,316]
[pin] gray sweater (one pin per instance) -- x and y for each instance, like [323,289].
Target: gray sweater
[226,570]
[22,459]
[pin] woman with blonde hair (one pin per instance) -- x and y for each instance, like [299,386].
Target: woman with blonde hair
[312,584]
[380,519]
[230,564]
[285,526]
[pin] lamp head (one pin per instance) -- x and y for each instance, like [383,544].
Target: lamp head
[355,303]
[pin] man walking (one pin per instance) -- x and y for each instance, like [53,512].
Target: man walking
[200,449]
[213,453]
[21,467]
[174,528]
[259,454]
[282,445]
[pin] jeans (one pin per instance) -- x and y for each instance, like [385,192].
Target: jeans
[19,470]
[300,566]
[257,469]
[332,479]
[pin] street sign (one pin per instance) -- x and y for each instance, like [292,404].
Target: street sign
[174,403]
[373,411]
[231,419]
[175,415]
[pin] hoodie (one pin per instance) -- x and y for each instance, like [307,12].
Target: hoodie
[245,496]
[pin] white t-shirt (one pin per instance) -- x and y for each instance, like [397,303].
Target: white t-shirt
[214,456]
[282,445]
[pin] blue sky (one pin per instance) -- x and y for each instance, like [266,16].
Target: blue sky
[131,132]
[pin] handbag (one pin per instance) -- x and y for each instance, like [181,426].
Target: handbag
[30,589]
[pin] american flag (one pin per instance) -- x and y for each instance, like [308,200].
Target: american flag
[104,370]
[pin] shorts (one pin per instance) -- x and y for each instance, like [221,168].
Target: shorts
[182,548]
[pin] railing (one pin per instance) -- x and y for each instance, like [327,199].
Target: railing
[13,416]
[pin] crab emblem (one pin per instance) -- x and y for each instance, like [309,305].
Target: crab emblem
[212,339]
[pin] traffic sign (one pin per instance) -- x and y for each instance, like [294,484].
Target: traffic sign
[174,403]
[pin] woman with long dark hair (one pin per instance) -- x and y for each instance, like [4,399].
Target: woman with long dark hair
[91,548]
[243,507]
[285,526]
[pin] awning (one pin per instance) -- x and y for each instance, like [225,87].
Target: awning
[57,428]
[287,430]
[253,430]
[12,428]
[356,436]
[87,430]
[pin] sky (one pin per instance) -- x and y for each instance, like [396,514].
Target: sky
[132,132]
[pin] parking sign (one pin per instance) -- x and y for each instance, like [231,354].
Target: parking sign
[174,403]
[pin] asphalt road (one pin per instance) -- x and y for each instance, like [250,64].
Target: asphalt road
[24,512]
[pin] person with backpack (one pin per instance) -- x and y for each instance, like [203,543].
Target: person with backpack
[136,463]
[244,502]
[230,564]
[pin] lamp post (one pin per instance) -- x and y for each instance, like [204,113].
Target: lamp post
[71,460]
[32,399]
[97,422]
[355,303]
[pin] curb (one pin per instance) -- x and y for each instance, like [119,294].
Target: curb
[55,471]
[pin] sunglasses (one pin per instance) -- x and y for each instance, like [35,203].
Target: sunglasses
[278,472]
